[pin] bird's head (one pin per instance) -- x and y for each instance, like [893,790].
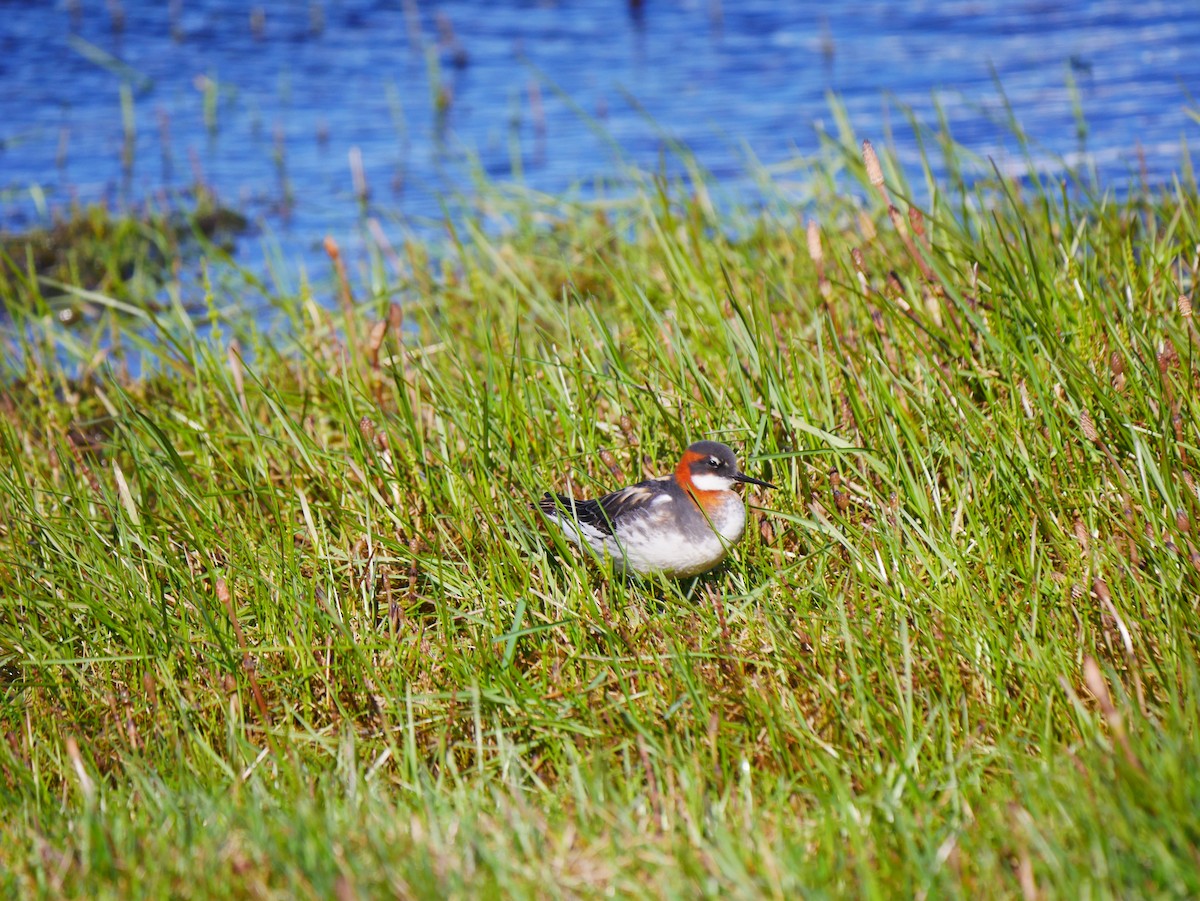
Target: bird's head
[711,466]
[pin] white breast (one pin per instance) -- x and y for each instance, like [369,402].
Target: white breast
[657,547]
[731,522]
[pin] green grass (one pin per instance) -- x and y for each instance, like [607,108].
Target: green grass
[276,619]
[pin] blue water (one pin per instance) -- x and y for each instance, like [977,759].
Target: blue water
[292,90]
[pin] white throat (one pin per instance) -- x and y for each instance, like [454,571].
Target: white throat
[708,481]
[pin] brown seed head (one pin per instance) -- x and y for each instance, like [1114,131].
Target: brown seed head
[1168,357]
[611,462]
[628,431]
[916,221]
[874,170]
[1088,427]
[1184,305]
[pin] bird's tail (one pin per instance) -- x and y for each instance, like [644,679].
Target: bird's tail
[551,503]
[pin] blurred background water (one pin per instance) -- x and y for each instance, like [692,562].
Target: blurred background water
[305,114]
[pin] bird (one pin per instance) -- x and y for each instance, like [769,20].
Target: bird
[679,525]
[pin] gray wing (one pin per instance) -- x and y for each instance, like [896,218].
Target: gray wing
[602,513]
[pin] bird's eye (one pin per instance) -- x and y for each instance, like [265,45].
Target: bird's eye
[714,462]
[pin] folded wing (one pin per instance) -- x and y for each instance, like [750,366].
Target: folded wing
[602,513]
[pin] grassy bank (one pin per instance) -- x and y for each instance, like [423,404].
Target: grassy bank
[277,620]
